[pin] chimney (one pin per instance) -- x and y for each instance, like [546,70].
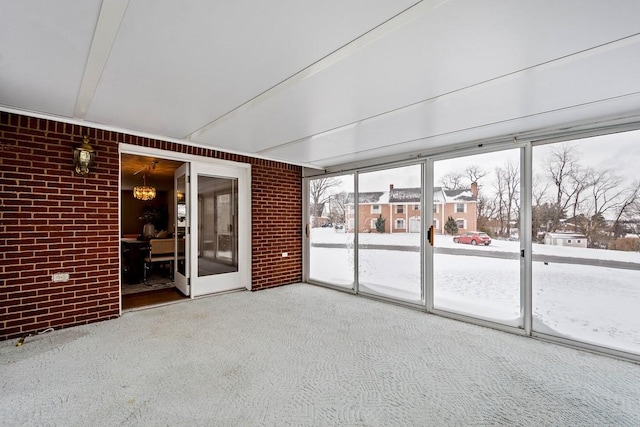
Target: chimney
[474,189]
[390,187]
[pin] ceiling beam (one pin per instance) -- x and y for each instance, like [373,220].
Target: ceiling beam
[109,20]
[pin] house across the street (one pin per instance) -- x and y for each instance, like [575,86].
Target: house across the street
[400,209]
[566,239]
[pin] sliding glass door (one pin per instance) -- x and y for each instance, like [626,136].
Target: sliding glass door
[538,238]
[390,233]
[476,266]
[477,254]
[586,241]
[331,230]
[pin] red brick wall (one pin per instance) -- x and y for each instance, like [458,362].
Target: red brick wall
[277,224]
[469,216]
[365,216]
[448,209]
[54,221]
[408,213]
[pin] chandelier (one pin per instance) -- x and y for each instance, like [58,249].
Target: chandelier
[144,192]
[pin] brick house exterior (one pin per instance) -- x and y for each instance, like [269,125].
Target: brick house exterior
[401,209]
[54,221]
[405,209]
[370,206]
[459,204]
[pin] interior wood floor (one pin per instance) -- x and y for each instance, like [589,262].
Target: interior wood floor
[153,297]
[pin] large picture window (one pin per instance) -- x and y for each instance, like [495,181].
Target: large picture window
[574,203]
[476,264]
[331,225]
[586,240]
[389,257]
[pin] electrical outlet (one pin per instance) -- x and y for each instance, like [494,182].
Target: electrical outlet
[285,254]
[60,277]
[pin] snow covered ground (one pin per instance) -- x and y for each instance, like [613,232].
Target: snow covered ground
[587,303]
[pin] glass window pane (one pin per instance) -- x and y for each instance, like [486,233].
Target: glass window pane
[389,243]
[181,222]
[217,225]
[477,250]
[331,217]
[586,240]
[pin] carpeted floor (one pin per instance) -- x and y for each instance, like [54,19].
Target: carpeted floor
[306,356]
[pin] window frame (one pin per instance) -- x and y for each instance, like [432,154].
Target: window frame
[526,142]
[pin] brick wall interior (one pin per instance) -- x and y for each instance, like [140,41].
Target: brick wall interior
[54,221]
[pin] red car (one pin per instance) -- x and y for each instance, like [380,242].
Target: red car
[473,238]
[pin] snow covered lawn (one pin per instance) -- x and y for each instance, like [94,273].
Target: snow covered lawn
[592,304]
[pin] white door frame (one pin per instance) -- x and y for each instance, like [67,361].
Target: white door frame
[182,281]
[207,163]
[225,281]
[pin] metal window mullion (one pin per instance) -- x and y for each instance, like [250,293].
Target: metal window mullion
[306,245]
[526,238]
[427,220]
[356,227]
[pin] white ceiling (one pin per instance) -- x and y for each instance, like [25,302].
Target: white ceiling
[322,83]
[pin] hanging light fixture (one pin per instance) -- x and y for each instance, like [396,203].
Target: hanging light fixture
[144,192]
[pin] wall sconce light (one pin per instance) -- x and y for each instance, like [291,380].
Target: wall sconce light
[83,156]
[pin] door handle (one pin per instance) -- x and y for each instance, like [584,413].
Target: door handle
[430,235]
[306,230]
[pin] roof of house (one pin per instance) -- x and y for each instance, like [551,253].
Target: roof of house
[443,195]
[405,195]
[567,235]
[369,197]
[412,195]
[459,195]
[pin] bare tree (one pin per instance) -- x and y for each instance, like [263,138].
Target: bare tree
[605,194]
[499,199]
[578,183]
[457,180]
[562,164]
[628,208]
[507,186]
[485,211]
[475,173]
[452,181]
[318,193]
[539,191]
[339,207]
[513,194]
[633,222]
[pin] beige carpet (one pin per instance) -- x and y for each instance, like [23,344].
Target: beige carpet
[306,356]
